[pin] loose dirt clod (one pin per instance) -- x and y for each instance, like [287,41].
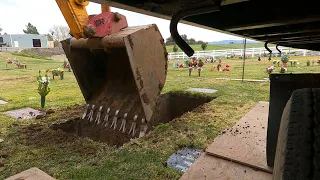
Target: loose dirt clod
[4,155]
[50,111]
[39,116]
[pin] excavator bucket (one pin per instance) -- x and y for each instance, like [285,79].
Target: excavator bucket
[121,76]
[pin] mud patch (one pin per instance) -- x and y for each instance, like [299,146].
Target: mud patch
[36,135]
[168,107]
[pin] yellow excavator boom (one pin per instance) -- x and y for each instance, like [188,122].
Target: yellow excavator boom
[75,13]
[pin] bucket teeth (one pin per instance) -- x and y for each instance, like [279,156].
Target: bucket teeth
[143,128]
[106,118]
[123,123]
[98,115]
[114,121]
[90,117]
[85,112]
[133,126]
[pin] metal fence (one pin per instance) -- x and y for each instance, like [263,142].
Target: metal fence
[253,52]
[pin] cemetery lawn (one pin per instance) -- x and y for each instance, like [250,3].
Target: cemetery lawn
[31,143]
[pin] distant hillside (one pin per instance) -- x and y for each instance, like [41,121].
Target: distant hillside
[197,47]
[232,42]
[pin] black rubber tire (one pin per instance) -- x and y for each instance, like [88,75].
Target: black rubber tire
[298,147]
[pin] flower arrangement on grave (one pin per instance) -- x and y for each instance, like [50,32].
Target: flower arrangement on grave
[43,87]
[219,67]
[212,68]
[226,68]
[195,63]
[57,72]
[269,69]
[190,68]
[187,62]
[200,65]
[284,60]
[308,63]
[9,61]
[66,65]
[283,69]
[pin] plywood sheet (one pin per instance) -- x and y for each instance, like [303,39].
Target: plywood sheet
[31,174]
[245,143]
[210,167]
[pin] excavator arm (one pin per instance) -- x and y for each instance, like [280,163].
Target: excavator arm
[75,13]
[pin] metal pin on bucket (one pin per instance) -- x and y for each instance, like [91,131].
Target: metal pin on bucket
[123,123]
[133,126]
[85,112]
[106,118]
[114,121]
[98,115]
[90,117]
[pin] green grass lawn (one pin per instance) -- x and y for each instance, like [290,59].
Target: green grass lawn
[197,47]
[33,144]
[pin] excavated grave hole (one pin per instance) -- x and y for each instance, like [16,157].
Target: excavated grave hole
[169,107]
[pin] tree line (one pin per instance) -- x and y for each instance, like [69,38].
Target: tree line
[58,33]
[204,46]
[191,41]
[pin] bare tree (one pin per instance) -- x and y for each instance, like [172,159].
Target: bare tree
[60,33]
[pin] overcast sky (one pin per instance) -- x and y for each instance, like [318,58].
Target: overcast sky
[15,14]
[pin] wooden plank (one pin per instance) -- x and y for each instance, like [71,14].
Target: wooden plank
[245,142]
[210,167]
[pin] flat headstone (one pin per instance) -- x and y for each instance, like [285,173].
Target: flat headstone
[183,159]
[202,90]
[247,80]
[25,113]
[2,102]
[31,174]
